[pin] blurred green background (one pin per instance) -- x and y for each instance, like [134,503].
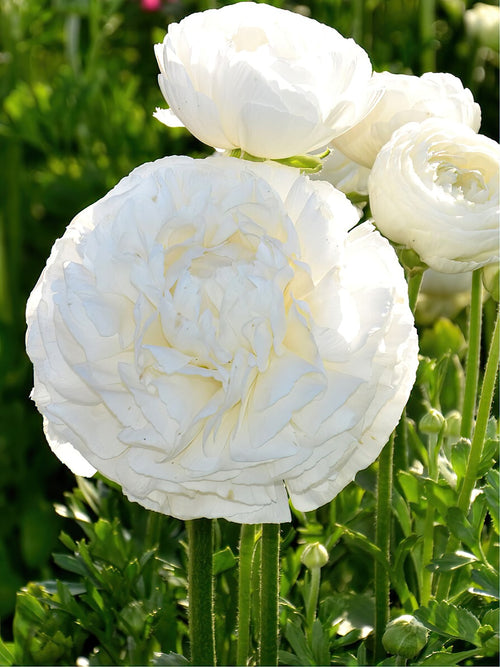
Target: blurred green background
[77,92]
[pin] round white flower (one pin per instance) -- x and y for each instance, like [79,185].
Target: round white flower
[268,81]
[407,99]
[435,188]
[211,337]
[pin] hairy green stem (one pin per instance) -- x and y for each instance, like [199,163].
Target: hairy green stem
[428,537]
[383,539]
[483,413]
[269,594]
[201,591]
[247,543]
[472,364]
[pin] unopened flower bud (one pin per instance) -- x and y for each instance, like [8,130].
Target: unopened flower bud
[405,636]
[314,555]
[432,422]
[453,422]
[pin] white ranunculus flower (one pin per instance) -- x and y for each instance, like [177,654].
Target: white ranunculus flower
[210,336]
[434,187]
[482,23]
[268,81]
[407,99]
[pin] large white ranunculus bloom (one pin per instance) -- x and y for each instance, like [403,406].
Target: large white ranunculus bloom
[434,187]
[211,337]
[264,80]
[407,99]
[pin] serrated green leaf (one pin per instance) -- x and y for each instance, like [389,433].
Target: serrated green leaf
[488,581]
[450,621]
[287,658]
[365,544]
[459,457]
[492,617]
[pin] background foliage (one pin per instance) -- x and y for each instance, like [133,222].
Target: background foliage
[77,90]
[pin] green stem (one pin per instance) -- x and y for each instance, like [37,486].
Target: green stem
[427,19]
[483,413]
[247,543]
[269,594]
[428,537]
[472,364]
[312,600]
[476,449]
[201,591]
[383,539]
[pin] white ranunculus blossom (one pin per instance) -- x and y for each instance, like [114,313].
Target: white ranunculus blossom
[210,336]
[346,175]
[268,81]
[407,99]
[434,187]
[482,23]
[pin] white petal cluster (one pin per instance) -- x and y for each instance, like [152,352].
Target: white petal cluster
[434,187]
[211,336]
[270,82]
[406,99]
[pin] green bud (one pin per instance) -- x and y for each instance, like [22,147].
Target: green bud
[314,555]
[491,280]
[452,423]
[405,636]
[432,422]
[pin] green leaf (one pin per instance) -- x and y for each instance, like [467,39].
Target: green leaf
[365,544]
[411,486]
[441,495]
[450,562]
[224,560]
[72,564]
[444,338]
[492,494]
[7,656]
[445,658]
[171,659]
[297,640]
[320,644]
[459,457]
[487,580]
[450,621]
[460,527]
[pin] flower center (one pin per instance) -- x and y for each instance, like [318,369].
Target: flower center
[465,184]
[249,38]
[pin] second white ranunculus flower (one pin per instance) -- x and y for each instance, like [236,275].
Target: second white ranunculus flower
[212,337]
[268,81]
[406,99]
[434,187]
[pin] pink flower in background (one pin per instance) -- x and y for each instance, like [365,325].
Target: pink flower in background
[150,5]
